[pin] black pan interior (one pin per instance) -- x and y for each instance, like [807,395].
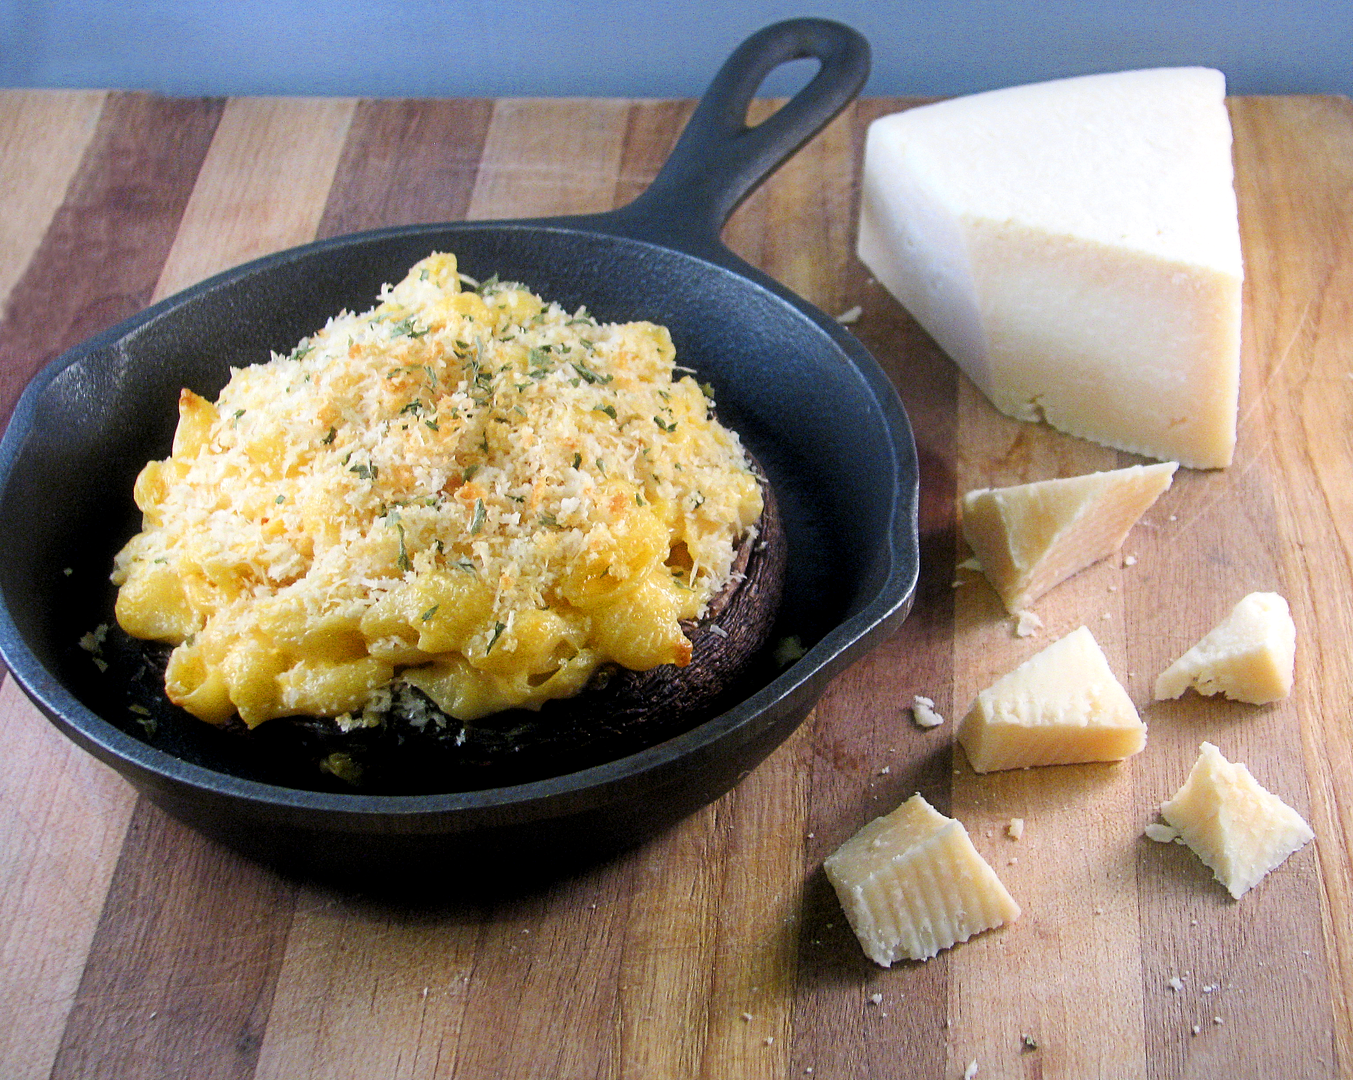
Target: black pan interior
[801,406]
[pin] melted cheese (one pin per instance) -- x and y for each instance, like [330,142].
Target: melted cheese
[474,491]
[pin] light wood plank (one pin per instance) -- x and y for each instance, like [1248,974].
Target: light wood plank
[1068,968]
[43,134]
[369,991]
[64,817]
[549,156]
[262,187]
[1300,274]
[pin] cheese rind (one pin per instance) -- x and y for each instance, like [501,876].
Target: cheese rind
[1238,829]
[911,883]
[1249,656]
[1074,245]
[1062,706]
[1031,537]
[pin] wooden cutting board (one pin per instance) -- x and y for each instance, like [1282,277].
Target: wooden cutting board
[131,947]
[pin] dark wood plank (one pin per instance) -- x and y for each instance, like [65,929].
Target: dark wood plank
[406,162]
[183,965]
[101,256]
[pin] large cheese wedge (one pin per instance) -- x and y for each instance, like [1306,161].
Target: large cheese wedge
[1249,656]
[1075,246]
[1030,537]
[1060,707]
[1239,830]
[911,884]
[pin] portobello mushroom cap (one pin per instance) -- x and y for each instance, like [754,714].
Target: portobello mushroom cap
[417,749]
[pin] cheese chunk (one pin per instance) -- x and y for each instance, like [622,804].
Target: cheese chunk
[911,884]
[1060,707]
[1249,656]
[1031,537]
[1074,245]
[1238,829]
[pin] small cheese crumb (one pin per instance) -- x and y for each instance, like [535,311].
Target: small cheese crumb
[1015,829]
[923,712]
[1197,1029]
[1027,623]
[972,563]
[970,1071]
[876,999]
[1161,834]
[1129,560]
[1175,983]
[850,315]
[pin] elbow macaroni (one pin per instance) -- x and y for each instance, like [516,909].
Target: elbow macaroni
[473,492]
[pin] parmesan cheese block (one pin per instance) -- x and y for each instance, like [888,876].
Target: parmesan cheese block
[1031,537]
[1060,707]
[1237,828]
[1249,656]
[1074,246]
[911,884]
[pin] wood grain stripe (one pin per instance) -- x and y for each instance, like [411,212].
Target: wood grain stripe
[549,156]
[478,965]
[43,135]
[407,162]
[1303,346]
[653,129]
[868,756]
[1069,966]
[184,962]
[97,263]
[262,186]
[103,253]
[57,855]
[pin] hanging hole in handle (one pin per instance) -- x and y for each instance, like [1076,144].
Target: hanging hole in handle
[782,83]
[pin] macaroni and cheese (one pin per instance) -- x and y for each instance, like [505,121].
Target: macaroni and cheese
[466,489]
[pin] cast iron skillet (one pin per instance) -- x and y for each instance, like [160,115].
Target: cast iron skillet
[808,400]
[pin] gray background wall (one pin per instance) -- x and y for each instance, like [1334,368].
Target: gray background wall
[658,48]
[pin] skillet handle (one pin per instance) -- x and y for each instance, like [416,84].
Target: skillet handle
[719,160]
